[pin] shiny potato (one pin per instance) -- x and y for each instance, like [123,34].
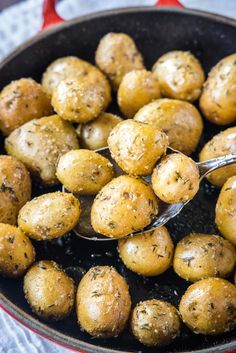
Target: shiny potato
[124,205]
[199,256]
[180,120]
[148,254]
[15,188]
[217,101]
[136,147]
[16,251]
[49,216]
[116,55]
[103,302]
[21,101]
[49,291]
[220,145]
[39,144]
[137,88]
[226,210]
[155,323]
[180,75]
[209,306]
[84,172]
[176,178]
[94,134]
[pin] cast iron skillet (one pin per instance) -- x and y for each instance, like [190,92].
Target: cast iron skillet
[155,31]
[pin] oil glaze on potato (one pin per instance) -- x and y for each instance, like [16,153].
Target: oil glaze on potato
[124,205]
[49,291]
[148,254]
[103,302]
[49,216]
[136,147]
[209,306]
[16,251]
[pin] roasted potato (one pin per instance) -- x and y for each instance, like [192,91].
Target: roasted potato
[21,101]
[199,256]
[124,205]
[49,216]
[180,120]
[148,254]
[103,302]
[220,145]
[39,144]
[49,291]
[15,188]
[16,251]
[84,171]
[176,178]
[180,75]
[137,88]
[226,210]
[116,55]
[209,306]
[149,327]
[136,147]
[217,101]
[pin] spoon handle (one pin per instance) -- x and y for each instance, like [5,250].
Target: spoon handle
[213,164]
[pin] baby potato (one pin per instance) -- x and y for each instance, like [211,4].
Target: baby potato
[180,75]
[116,55]
[94,134]
[209,306]
[217,101]
[49,216]
[103,302]
[149,326]
[220,145]
[136,89]
[176,178]
[136,147]
[21,101]
[124,205]
[180,120]
[226,210]
[49,291]
[148,254]
[16,251]
[84,172]
[199,256]
[39,144]
[15,188]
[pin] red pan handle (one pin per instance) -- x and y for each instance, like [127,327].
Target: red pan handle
[171,3]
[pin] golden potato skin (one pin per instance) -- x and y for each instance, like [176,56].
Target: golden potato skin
[226,210]
[149,326]
[49,291]
[180,75]
[16,251]
[39,144]
[22,101]
[49,216]
[15,188]
[137,88]
[176,178]
[217,101]
[116,55]
[124,205]
[199,256]
[84,172]
[136,147]
[209,306]
[220,145]
[148,254]
[180,120]
[103,302]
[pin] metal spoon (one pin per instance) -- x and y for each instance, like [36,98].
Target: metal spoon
[165,211]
